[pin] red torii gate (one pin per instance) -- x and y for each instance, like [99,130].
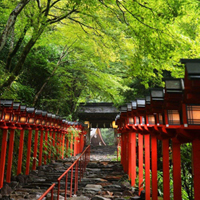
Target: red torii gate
[46,126]
[172,114]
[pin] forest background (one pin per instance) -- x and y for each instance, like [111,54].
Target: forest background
[55,54]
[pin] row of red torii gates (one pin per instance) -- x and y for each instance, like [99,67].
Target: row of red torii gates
[49,130]
[170,113]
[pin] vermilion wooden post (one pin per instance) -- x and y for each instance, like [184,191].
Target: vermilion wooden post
[154,167]
[3,155]
[75,145]
[28,151]
[196,168]
[20,155]
[133,158]
[176,156]
[46,143]
[79,143]
[41,147]
[140,161]
[122,149]
[147,167]
[35,149]
[60,144]
[63,145]
[166,179]
[10,154]
[126,153]
[71,143]
[57,144]
[129,155]
[54,141]
[67,145]
[50,144]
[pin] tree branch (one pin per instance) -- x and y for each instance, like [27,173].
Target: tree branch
[48,7]
[136,17]
[39,4]
[11,21]
[52,21]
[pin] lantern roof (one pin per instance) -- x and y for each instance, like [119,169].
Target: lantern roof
[44,113]
[148,100]
[30,110]
[49,115]
[175,85]
[6,102]
[23,108]
[140,103]
[157,94]
[192,68]
[16,105]
[129,107]
[134,105]
[123,109]
[38,112]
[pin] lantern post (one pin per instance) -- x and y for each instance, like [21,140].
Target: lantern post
[172,107]
[30,126]
[132,144]
[11,121]
[39,123]
[191,116]
[5,112]
[21,123]
[136,121]
[143,129]
[154,118]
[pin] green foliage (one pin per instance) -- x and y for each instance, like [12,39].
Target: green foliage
[108,136]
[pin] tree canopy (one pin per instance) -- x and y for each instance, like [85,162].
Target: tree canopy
[55,54]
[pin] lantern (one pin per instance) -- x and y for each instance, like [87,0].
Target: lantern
[16,111]
[49,118]
[44,116]
[87,123]
[151,119]
[23,117]
[6,113]
[53,120]
[38,114]
[31,117]
[114,125]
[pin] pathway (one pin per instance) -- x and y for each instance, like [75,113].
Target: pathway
[104,179]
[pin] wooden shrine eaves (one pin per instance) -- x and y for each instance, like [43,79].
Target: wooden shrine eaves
[99,115]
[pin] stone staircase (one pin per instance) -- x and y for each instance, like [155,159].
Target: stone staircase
[103,180]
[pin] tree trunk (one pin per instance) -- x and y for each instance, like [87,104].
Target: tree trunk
[11,22]
[17,70]
[14,51]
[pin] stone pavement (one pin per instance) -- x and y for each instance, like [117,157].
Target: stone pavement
[104,179]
